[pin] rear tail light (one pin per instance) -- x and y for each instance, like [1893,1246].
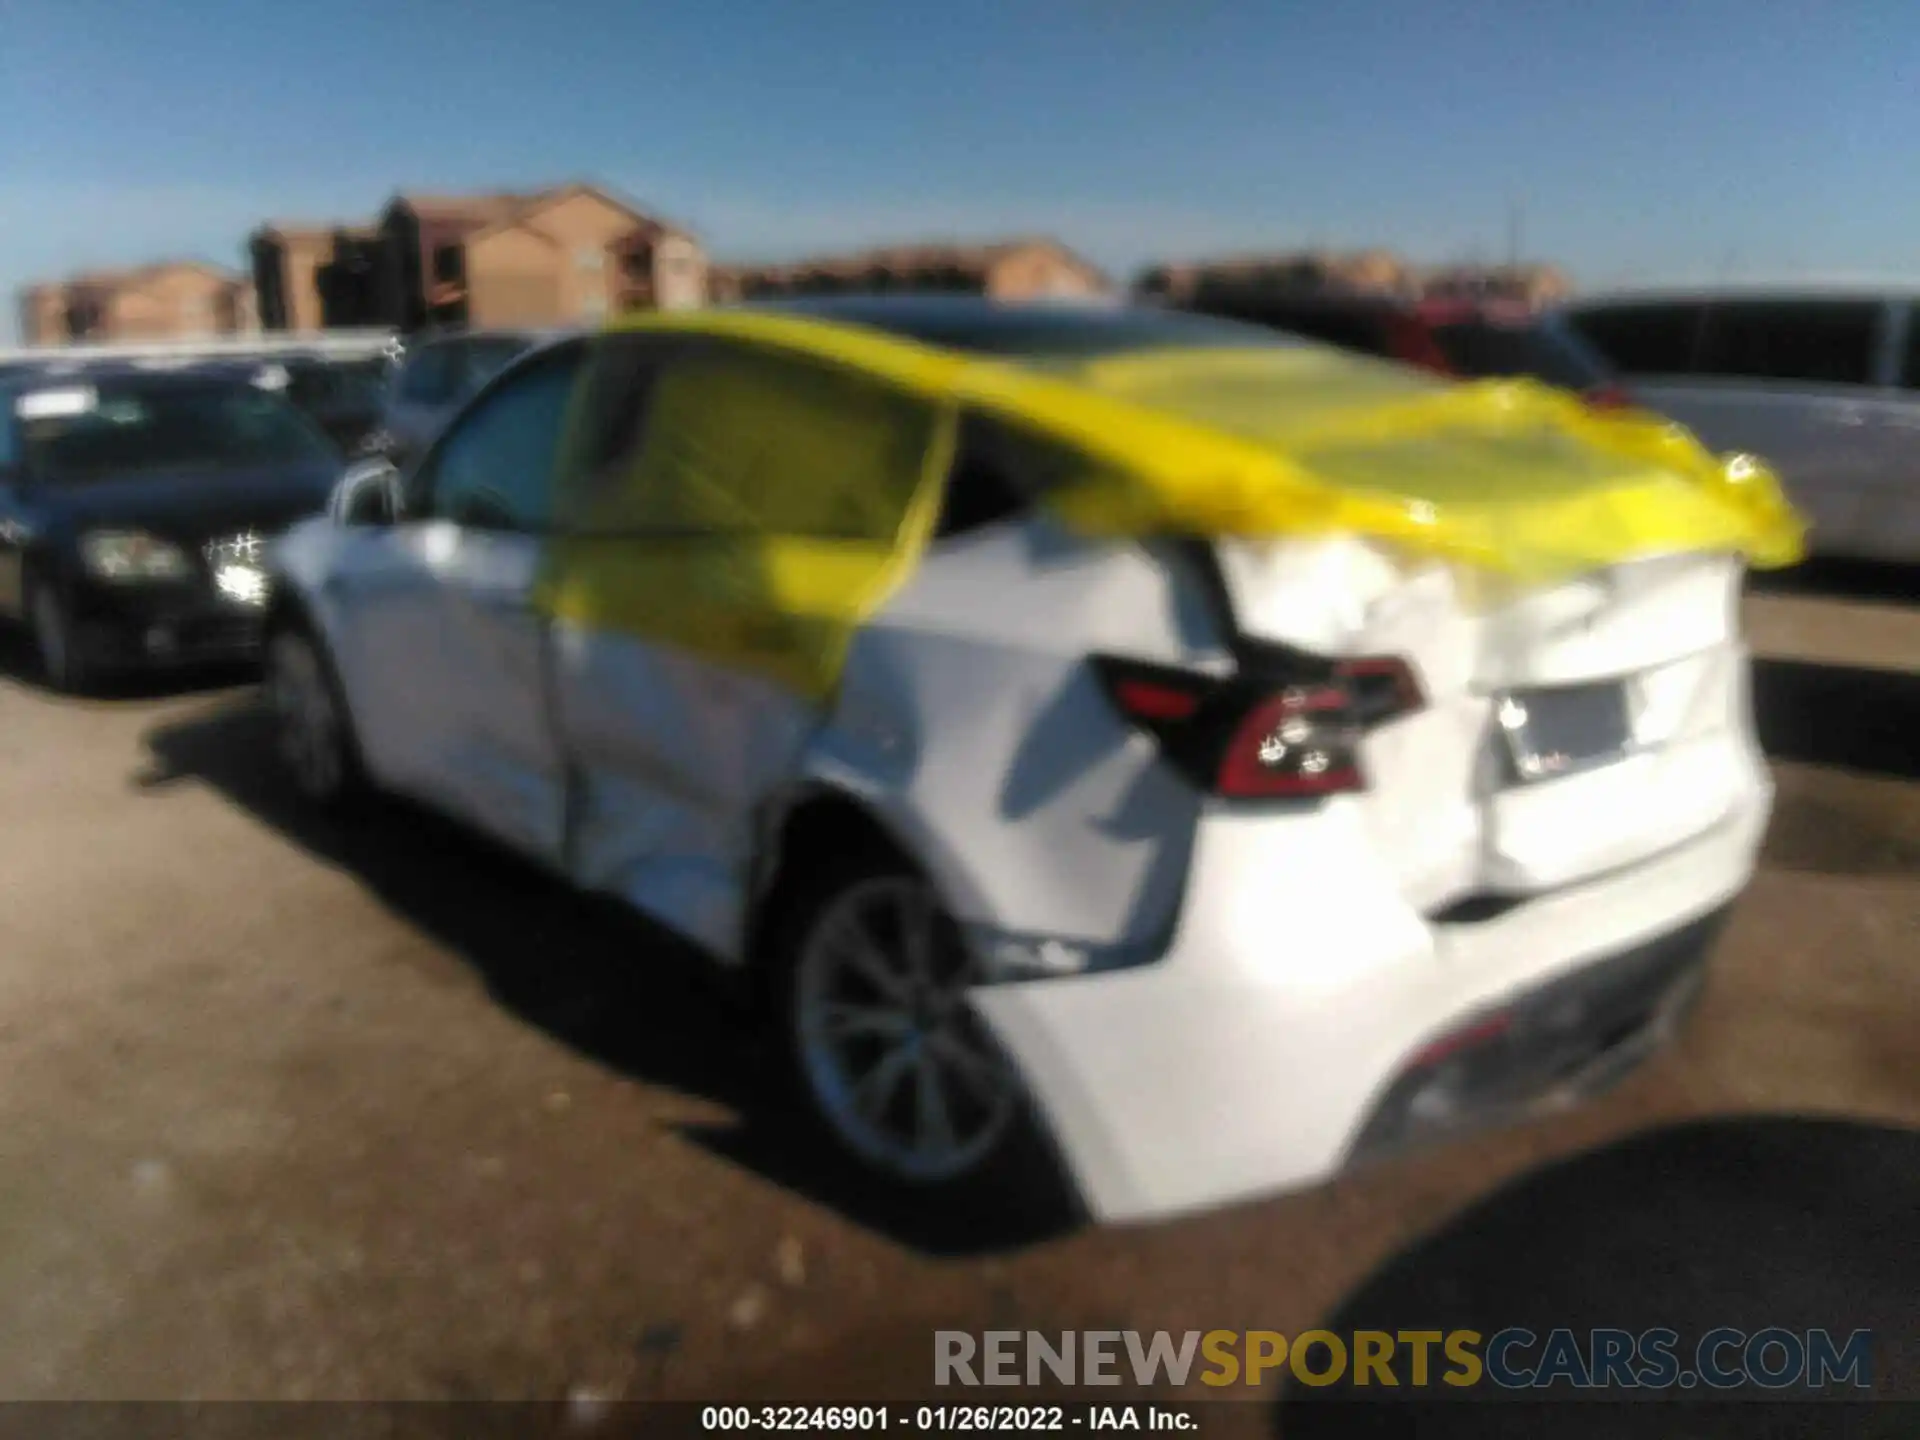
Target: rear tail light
[1609,397]
[1244,739]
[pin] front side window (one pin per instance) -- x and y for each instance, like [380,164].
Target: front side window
[494,469]
[1816,341]
[741,441]
[1649,339]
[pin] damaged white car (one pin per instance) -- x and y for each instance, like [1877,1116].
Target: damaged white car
[1193,748]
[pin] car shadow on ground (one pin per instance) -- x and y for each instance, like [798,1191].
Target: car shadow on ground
[603,981]
[17,663]
[1748,1222]
[1871,580]
[1839,715]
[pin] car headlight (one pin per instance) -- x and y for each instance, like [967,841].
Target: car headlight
[133,555]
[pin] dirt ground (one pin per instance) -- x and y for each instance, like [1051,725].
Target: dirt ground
[292,1111]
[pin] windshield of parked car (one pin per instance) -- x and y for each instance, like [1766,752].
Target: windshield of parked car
[1542,349]
[110,430]
[333,384]
[487,358]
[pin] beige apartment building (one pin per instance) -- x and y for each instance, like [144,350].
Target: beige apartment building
[1014,269]
[166,300]
[564,253]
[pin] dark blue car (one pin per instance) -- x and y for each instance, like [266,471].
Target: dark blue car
[134,507]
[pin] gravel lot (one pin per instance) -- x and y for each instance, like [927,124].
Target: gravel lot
[289,1111]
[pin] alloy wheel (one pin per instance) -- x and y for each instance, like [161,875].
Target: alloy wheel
[897,1063]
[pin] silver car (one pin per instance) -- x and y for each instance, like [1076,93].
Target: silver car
[1820,380]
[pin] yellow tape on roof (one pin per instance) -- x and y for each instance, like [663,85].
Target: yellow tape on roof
[785,490]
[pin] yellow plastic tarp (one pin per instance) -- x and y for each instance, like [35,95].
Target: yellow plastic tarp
[1511,476]
[773,504]
[784,488]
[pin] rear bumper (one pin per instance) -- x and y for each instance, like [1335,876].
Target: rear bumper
[1291,1027]
[1559,1043]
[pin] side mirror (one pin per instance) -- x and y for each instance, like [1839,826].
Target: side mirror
[377,444]
[368,493]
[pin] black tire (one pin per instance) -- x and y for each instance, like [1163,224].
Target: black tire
[63,666]
[1017,1188]
[322,761]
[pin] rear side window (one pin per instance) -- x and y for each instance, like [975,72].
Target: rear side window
[1819,341]
[1910,360]
[998,472]
[1643,339]
[1480,349]
[741,441]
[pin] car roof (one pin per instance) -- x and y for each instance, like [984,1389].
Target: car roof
[122,371]
[978,324]
[1802,287]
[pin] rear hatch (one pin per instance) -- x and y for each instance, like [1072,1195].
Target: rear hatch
[1566,729]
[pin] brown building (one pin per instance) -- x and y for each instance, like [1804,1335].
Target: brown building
[1018,269]
[306,275]
[569,252]
[43,314]
[171,299]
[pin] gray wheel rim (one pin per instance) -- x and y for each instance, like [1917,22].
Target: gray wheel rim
[50,634]
[308,725]
[898,1064]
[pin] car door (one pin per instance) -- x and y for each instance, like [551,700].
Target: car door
[700,579]
[443,650]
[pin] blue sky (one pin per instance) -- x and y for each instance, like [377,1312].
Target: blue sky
[1640,139]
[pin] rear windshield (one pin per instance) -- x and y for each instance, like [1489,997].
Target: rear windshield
[1544,350]
[109,431]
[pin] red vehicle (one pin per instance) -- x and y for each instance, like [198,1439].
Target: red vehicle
[1464,339]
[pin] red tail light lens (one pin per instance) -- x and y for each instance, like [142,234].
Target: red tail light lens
[1246,738]
[1609,397]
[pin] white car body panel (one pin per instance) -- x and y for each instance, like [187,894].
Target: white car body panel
[1245,1060]
[1255,974]
[672,758]
[444,660]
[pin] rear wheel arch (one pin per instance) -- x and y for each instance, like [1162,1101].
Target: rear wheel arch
[794,833]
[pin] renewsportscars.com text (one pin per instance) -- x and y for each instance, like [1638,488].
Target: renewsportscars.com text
[1513,1358]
